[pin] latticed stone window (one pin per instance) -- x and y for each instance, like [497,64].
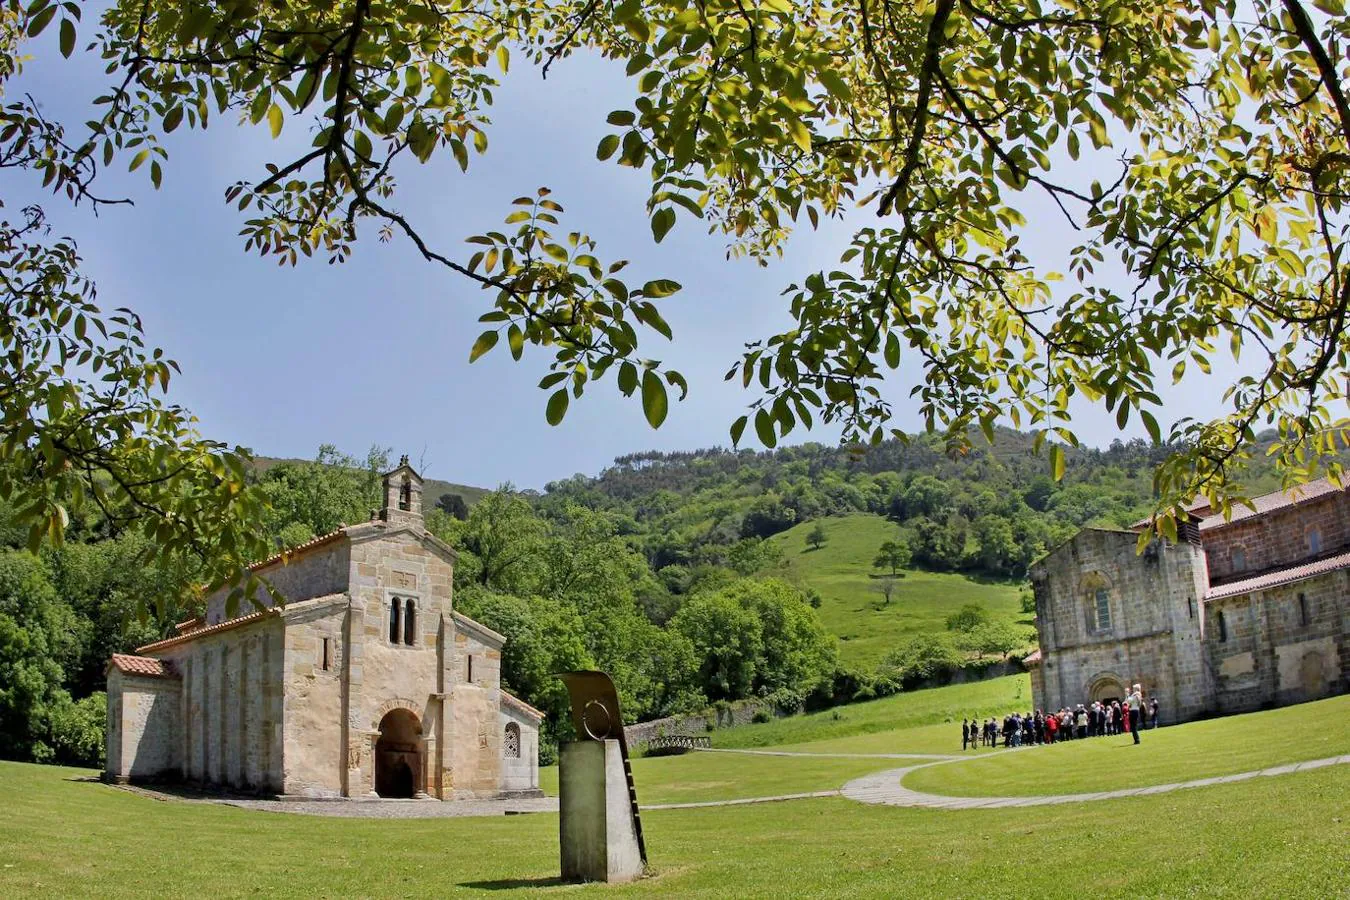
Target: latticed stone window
[511,741]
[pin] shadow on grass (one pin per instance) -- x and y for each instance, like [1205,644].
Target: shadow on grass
[511,884]
[84,779]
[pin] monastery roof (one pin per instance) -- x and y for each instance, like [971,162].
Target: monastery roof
[142,665]
[1280,576]
[1033,658]
[1268,503]
[521,705]
[227,625]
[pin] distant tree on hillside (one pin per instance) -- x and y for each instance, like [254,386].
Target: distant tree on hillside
[885,586]
[894,555]
[968,618]
[993,637]
[816,537]
[453,505]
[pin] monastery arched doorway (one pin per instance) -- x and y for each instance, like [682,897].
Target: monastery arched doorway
[398,755]
[1106,688]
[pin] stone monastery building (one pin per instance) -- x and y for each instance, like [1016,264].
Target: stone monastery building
[1239,614]
[365,683]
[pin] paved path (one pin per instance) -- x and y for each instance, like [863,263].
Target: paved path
[885,788]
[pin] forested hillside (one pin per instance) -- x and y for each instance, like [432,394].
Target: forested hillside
[809,574]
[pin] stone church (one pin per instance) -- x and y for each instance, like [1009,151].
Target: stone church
[1239,614]
[365,683]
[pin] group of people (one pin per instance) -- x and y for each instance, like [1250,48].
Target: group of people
[1097,719]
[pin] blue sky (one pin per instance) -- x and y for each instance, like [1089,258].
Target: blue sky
[281,359]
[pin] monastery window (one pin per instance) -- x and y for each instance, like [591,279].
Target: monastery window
[1314,540]
[511,741]
[327,654]
[1190,607]
[1239,559]
[1303,610]
[1101,609]
[1223,628]
[409,622]
[469,677]
[394,629]
[405,494]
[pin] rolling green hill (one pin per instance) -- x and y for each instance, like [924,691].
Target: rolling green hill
[432,488]
[851,606]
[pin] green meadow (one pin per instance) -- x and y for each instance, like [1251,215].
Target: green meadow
[851,607]
[63,834]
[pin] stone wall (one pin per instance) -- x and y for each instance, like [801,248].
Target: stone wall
[1278,538]
[143,727]
[1153,629]
[231,706]
[1283,645]
[519,772]
[316,573]
[739,713]
[312,700]
[475,758]
[384,675]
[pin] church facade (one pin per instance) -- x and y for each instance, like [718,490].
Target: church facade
[365,683]
[1238,614]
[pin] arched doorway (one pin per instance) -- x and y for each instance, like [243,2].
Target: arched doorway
[398,755]
[1106,688]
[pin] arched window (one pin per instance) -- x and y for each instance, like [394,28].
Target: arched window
[405,494]
[511,741]
[394,629]
[1239,559]
[1097,602]
[409,622]
[1314,540]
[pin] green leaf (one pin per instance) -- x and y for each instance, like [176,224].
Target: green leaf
[137,160]
[557,406]
[486,341]
[275,119]
[893,350]
[67,37]
[661,287]
[1056,461]
[628,379]
[738,429]
[654,401]
[515,339]
[835,85]
[662,222]
[608,145]
[764,428]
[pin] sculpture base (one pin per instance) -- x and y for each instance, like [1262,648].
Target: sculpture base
[595,821]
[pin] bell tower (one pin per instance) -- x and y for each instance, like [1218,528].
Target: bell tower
[402,495]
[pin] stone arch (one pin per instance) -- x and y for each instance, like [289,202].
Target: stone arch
[1312,675]
[398,754]
[1106,686]
[1094,593]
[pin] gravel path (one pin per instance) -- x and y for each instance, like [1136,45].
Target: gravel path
[885,788]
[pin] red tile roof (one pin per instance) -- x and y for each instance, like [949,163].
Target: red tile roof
[209,629]
[142,665]
[1033,658]
[511,700]
[1268,503]
[1280,576]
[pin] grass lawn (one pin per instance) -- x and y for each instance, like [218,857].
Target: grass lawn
[851,609]
[1283,837]
[1197,750]
[693,777]
[886,719]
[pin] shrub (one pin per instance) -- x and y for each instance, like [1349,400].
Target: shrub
[761,716]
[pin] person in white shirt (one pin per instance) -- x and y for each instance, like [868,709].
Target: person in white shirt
[1136,711]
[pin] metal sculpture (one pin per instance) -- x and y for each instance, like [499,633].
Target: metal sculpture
[596,717]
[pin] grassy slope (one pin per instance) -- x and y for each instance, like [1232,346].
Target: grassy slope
[842,572]
[1198,750]
[875,726]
